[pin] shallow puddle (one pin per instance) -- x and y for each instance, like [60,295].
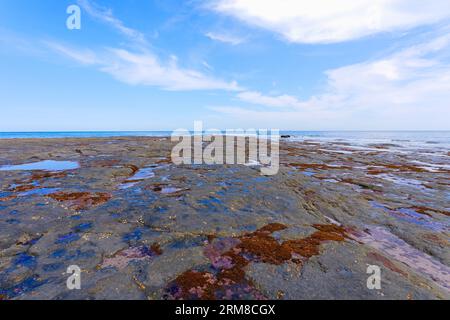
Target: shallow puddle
[143,173]
[39,192]
[402,181]
[140,175]
[308,173]
[412,216]
[46,165]
[169,190]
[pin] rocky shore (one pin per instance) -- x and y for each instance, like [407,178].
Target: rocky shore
[140,227]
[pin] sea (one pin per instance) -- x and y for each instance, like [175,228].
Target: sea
[428,139]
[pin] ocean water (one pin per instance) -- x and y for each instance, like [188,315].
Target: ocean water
[412,139]
[428,139]
[82,134]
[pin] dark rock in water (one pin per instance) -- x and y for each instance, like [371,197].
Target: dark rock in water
[285,136]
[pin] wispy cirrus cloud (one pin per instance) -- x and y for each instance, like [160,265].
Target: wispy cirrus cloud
[225,38]
[141,66]
[146,69]
[255,97]
[106,15]
[83,56]
[328,21]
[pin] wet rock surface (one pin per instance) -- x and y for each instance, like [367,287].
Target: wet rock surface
[140,227]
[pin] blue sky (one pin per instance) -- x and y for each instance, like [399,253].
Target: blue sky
[160,65]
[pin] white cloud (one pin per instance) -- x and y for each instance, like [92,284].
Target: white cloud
[106,16]
[409,89]
[225,38]
[270,101]
[141,67]
[411,77]
[146,69]
[85,56]
[328,21]
[207,66]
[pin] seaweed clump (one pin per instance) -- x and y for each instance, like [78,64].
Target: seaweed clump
[81,200]
[317,166]
[426,210]
[225,277]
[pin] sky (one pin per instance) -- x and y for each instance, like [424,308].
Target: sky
[274,64]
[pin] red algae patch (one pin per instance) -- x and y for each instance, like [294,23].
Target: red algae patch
[45,175]
[156,249]
[377,171]
[436,239]
[261,246]
[230,256]
[317,166]
[387,168]
[81,200]
[194,283]
[383,146]
[8,198]
[104,163]
[204,285]
[133,168]
[425,210]
[398,168]
[310,246]
[23,188]
[361,184]
[167,160]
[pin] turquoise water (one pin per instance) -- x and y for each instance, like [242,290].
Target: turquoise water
[428,138]
[408,135]
[82,134]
